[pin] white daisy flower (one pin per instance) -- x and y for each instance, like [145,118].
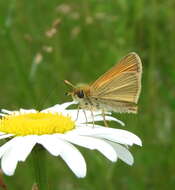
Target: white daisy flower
[57,130]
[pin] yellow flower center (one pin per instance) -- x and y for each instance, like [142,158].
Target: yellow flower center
[36,124]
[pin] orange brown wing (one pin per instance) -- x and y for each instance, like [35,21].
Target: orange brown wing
[122,83]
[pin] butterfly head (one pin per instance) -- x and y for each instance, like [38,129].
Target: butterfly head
[77,93]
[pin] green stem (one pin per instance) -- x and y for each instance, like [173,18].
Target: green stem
[39,164]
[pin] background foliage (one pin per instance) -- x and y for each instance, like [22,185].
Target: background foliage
[44,42]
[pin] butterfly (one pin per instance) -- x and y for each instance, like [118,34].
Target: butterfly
[117,90]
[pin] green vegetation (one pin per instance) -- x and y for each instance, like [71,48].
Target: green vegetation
[90,37]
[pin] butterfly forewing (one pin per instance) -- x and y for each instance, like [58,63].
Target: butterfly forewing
[120,86]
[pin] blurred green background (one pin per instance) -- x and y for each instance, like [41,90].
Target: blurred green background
[44,42]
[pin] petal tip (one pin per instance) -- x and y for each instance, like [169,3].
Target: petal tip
[8,172]
[138,142]
[114,159]
[81,175]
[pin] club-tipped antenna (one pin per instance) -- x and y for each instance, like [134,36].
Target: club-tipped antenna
[69,83]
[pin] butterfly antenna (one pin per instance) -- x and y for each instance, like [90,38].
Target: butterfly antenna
[69,83]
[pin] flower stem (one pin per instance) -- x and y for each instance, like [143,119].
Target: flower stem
[39,164]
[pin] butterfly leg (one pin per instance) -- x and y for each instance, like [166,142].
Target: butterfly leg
[91,108]
[85,116]
[78,112]
[105,122]
[92,115]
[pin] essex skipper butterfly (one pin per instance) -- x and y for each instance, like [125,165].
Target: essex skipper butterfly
[116,90]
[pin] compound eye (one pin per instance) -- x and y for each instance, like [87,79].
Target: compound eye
[80,94]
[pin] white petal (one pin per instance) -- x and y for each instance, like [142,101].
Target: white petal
[51,143]
[93,143]
[67,104]
[86,116]
[83,116]
[21,111]
[27,111]
[8,163]
[58,107]
[52,109]
[72,113]
[108,118]
[26,146]
[74,159]
[6,111]
[5,136]
[1,114]
[68,152]
[6,146]
[123,153]
[116,135]
[18,150]
[123,136]
[10,158]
